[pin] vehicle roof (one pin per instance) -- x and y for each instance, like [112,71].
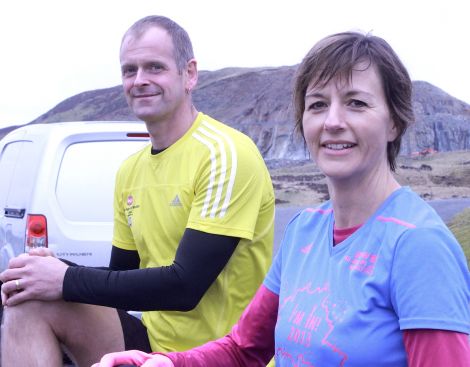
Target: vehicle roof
[67,128]
[82,124]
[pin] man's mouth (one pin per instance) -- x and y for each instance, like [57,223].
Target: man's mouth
[143,95]
[144,92]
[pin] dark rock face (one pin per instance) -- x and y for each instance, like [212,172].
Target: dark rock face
[442,122]
[442,132]
[246,95]
[257,101]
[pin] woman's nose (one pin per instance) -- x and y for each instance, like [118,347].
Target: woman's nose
[334,119]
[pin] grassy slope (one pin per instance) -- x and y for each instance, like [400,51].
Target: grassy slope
[460,226]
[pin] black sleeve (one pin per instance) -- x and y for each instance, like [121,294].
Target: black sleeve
[120,260]
[123,259]
[199,259]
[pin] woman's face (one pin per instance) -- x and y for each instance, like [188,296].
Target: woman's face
[347,126]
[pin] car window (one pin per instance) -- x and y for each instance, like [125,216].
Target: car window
[85,183]
[15,173]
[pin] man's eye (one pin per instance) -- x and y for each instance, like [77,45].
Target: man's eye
[155,67]
[127,71]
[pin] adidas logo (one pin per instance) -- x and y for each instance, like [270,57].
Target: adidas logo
[176,201]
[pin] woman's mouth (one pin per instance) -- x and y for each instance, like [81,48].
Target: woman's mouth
[338,146]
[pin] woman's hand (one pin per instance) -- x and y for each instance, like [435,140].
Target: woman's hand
[134,357]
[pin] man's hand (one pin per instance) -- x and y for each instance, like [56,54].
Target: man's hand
[41,251]
[35,277]
[134,357]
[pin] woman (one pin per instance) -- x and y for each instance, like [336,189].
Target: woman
[372,277]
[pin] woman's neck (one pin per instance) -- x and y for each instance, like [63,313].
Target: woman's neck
[354,203]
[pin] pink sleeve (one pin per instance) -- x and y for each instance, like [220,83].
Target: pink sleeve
[427,348]
[250,342]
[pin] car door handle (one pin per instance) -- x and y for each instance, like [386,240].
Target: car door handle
[14,213]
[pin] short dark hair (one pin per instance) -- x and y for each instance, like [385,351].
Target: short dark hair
[336,56]
[183,48]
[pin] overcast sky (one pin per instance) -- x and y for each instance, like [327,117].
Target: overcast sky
[54,49]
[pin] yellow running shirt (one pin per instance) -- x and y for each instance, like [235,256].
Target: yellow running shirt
[213,179]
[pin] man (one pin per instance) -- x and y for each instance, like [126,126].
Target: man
[194,211]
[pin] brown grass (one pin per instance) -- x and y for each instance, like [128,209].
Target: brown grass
[435,176]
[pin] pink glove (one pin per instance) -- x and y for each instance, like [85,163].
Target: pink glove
[135,357]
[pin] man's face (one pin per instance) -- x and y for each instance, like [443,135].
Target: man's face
[153,87]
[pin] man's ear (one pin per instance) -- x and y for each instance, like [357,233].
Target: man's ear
[191,75]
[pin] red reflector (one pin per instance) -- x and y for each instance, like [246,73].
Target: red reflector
[37,228]
[138,135]
[36,231]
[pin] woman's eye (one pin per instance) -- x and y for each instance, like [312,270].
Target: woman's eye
[357,103]
[316,105]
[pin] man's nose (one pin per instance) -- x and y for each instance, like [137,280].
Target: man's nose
[141,78]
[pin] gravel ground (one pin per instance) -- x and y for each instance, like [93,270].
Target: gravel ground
[447,209]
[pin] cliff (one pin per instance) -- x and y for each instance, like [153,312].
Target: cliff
[258,102]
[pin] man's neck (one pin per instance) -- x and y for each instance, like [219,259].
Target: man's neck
[166,132]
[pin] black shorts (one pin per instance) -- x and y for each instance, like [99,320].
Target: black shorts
[135,333]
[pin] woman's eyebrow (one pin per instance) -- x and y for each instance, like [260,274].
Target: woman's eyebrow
[313,93]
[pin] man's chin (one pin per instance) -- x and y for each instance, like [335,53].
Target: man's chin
[146,115]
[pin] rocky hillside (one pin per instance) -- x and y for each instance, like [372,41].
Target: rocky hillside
[258,102]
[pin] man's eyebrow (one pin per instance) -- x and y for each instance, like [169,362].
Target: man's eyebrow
[126,65]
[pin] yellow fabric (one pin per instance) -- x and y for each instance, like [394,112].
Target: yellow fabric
[214,180]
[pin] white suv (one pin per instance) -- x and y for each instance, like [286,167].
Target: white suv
[56,187]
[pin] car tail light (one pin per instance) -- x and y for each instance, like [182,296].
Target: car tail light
[36,231]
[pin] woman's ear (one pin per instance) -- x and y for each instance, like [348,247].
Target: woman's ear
[392,133]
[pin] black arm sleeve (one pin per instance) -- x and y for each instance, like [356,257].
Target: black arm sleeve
[123,259]
[199,259]
[120,260]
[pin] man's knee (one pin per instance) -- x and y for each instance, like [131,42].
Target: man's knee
[19,313]
[56,317]
[61,319]
[25,318]
[31,310]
